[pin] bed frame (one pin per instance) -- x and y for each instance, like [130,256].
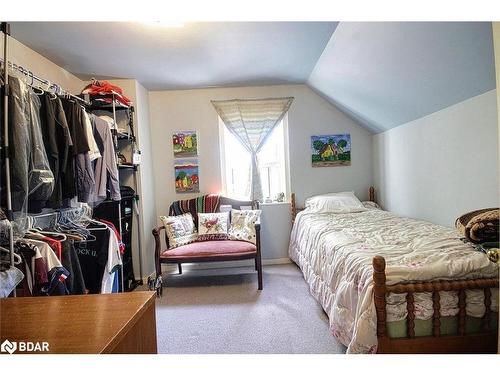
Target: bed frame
[485,341]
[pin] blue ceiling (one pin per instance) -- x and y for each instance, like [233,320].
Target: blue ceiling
[200,54]
[384,74]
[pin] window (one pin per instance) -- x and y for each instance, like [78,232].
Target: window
[236,163]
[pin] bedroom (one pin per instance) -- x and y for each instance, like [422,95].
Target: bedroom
[252,187]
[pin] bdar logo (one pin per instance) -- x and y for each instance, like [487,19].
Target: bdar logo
[9,347]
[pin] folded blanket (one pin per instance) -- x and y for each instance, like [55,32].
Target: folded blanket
[205,203]
[480,225]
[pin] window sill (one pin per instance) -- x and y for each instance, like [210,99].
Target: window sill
[274,204]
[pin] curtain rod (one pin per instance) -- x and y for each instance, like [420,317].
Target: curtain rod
[56,89]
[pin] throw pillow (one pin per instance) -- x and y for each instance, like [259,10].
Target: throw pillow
[243,225]
[371,205]
[213,226]
[180,229]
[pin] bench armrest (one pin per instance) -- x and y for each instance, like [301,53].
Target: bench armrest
[257,235]
[156,234]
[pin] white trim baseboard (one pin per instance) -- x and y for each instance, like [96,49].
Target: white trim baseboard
[172,268]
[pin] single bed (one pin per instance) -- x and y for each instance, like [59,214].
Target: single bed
[391,284]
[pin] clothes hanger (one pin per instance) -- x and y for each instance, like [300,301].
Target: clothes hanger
[17,258]
[68,221]
[37,90]
[44,233]
[57,235]
[53,95]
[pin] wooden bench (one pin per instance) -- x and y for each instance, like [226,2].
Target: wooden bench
[210,251]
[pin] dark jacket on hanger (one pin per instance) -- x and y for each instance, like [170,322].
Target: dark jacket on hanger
[93,256]
[75,282]
[56,285]
[80,145]
[31,176]
[57,139]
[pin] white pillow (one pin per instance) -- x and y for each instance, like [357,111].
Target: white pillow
[180,229]
[213,226]
[243,225]
[344,201]
[371,205]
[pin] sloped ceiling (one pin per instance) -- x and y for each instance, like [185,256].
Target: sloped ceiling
[381,74]
[386,74]
[196,55]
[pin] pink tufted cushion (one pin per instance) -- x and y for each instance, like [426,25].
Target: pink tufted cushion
[210,249]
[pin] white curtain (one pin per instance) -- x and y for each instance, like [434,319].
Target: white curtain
[251,121]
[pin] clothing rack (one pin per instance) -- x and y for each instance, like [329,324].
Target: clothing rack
[53,216]
[47,85]
[114,108]
[5,27]
[44,85]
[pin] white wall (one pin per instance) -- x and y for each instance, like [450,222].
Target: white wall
[496,47]
[145,188]
[442,165]
[146,179]
[309,115]
[147,210]
[42,67]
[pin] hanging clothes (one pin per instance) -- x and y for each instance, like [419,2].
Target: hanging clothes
[18,135]
[9,279]
[105,170]
[100,260]
[48,276]
[66,253]
[31,176]
[56,245]
[75,281]
[56,285]
[33,267]
[79,146]
[57,140]
[94,152]
[93,257]
[113,264]
[60,152]
[117,233]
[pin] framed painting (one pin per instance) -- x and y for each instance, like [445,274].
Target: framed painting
[331,150]
[186,176]
[185,144]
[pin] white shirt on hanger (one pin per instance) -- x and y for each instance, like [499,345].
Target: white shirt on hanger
[94,150]
[114,260]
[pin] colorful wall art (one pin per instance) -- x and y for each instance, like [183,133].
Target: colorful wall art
[186,175]
[331,150]
[185,144]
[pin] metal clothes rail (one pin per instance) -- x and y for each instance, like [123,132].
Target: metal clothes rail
[5,27]
[46,84]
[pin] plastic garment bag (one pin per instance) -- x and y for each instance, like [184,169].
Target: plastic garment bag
[40,176]
[31,177]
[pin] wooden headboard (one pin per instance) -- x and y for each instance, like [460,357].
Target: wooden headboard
[296,210]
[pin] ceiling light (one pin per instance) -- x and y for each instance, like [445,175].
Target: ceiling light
[164,23]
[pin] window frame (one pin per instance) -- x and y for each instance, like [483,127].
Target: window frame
[286,164]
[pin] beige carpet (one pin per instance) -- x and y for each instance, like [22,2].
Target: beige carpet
[221,311]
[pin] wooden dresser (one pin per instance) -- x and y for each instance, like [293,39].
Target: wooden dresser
[103,323]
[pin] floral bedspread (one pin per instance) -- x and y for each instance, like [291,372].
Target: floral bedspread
[335,252]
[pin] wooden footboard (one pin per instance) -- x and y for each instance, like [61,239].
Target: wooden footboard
[484,342]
